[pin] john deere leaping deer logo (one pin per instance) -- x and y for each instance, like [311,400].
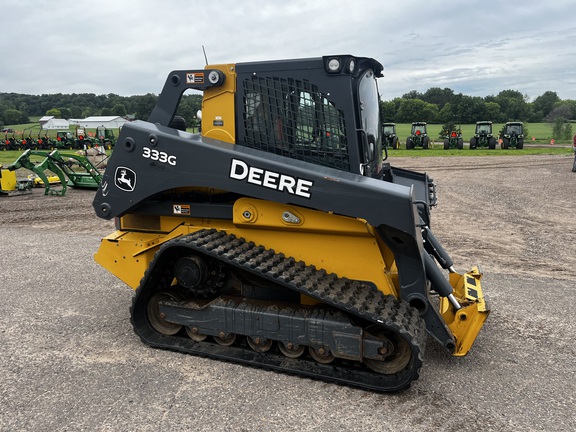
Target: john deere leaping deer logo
[125,179]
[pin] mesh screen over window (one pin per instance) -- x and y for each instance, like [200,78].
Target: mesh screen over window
[291,118]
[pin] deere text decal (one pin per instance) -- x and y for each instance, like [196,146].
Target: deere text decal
[240,170]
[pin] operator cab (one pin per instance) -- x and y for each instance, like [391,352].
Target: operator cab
[514,129]
[305,111]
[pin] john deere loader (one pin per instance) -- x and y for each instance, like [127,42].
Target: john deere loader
[278,237]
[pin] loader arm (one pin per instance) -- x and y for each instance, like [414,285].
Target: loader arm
[24,161]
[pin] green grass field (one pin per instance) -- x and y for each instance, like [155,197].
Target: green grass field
[7,157]
[537,142]
[538,133]
[438,150]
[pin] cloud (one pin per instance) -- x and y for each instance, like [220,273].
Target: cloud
[129,47]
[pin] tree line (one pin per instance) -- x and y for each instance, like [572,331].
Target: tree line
[443,106]
[436,105]
[16,108]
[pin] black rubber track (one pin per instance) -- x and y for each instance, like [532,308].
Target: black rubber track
[353,297]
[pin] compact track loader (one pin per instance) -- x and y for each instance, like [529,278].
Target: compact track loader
[279,238]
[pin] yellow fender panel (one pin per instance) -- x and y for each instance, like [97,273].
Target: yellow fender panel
[337,244]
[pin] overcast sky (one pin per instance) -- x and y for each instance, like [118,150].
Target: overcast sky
[128,47]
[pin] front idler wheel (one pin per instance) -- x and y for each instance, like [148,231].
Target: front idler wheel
[396,360]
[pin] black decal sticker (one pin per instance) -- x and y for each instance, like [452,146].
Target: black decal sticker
[125,179]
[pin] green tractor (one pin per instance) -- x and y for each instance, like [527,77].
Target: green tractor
[28,141]
[105,137]
[483,136]
[418,136]
[82,141]
[389,134]
[10,142]
[453,140]
[64,140]
[40,142]
[512,135]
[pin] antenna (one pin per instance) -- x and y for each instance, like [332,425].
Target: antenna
[205,58]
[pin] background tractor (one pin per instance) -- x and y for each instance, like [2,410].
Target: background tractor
[454,140]
[105,137]
[483,136]
[389,134]
[512,135]
[39,142]
[64,140]
[82,141]
[418,136]
[10,141]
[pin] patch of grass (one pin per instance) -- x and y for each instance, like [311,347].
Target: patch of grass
[439,151]
[35,127]
[9,156]
[538,133]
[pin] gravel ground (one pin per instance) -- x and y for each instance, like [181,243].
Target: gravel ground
[70,360]
[510,214]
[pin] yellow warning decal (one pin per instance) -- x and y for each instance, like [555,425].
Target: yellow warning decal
[194,77]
